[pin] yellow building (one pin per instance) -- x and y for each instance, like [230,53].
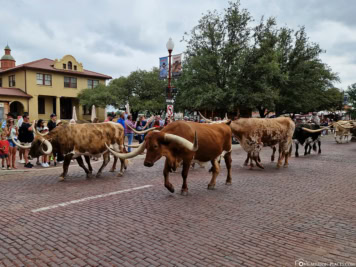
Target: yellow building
[46,86]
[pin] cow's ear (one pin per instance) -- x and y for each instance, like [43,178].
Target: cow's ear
[162,140]
[229,122]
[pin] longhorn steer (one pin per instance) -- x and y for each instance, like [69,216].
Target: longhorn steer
[179,141]
[254,154]
[307,135]
[76,140]
[255,133]
[342,130]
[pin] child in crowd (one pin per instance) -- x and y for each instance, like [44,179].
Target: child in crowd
[4,151]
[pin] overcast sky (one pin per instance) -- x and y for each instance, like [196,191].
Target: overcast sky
[116,37]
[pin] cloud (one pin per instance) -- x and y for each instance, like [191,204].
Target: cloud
[116,37]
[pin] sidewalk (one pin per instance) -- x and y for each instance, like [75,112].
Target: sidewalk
[21,168]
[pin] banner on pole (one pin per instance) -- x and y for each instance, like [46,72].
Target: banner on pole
[163,67]
[169,110]
[177,65]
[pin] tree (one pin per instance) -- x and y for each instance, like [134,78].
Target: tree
[351,93]
[229,66]
[331,99]
[307,78]
[141,89]
[215,49]
[99,96]
[261,72]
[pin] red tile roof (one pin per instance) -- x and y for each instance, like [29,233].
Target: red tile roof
[13,92]
[47,64]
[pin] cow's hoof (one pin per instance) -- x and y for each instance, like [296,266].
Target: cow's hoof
[89,176]
[260,166]
[228,183]
[120,174]
[61,179]
[278,166]
[285,166]
[112,170]
[170,188]
[184,192]
[98,175]
[211,186]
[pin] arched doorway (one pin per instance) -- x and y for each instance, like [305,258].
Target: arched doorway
[16,108]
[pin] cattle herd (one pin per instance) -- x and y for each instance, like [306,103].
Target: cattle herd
[183,143]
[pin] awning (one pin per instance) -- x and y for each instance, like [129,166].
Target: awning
[15,92]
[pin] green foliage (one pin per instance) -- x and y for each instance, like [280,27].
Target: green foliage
[141,89]
[230,65]
[99,96]
[212,60]
[308,78]
[331,99]
[351,93]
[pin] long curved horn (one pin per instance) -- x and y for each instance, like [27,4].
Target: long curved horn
[133,146]
[41,134]
[342,125]
[35,129]
[49,147]
[19,145]
[315,131]
[132,154]
[182,141]
[141,132]
[205,118]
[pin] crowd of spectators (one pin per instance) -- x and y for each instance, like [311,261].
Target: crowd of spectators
[23,133]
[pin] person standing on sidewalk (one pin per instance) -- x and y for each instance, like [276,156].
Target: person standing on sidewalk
[121,120]
[141,125]
[109,117]
[26,137]
[19,123]
[12,133]
[52,123]
[4,151]
[128,132]
[9,116]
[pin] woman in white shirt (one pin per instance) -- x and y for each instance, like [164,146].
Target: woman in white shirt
[12,133]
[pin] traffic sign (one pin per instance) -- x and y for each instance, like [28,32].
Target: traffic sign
[169,101]
[170,110]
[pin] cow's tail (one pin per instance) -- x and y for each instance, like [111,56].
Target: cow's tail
[290,150]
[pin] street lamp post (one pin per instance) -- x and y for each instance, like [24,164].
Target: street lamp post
[170,46]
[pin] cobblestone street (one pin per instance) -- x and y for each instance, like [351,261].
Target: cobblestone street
[270,217]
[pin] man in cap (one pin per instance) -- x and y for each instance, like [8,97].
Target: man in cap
[26,137]
[53,122]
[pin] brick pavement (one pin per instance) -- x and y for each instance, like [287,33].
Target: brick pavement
[266,218]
